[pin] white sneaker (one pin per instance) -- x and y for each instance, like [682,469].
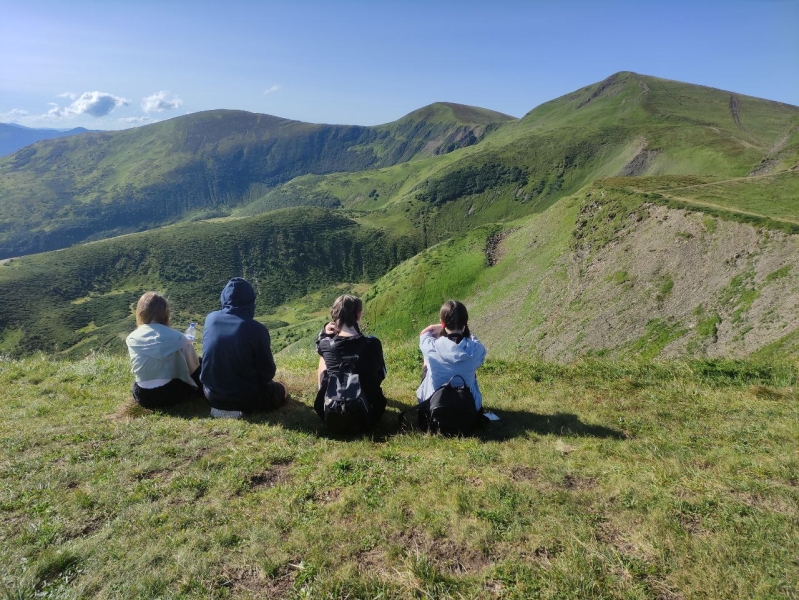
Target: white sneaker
[226,414]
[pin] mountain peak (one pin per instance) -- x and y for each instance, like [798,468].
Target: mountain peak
[451,112]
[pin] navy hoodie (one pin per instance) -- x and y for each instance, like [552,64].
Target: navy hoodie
[237,359]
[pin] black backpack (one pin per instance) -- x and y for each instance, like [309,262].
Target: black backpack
[450,410]
[346,407]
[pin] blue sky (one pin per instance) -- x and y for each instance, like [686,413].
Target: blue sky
[111,65]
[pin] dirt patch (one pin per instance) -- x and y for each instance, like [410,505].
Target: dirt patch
[493,250]
[251,580]
[372,561]
[639,163]
[773,504]
[735,109]
[524,473]
[572,482]
[446,554]
[605,88]
[273,476]
[327,496]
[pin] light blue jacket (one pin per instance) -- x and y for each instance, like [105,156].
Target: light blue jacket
[156,353]
[446,359]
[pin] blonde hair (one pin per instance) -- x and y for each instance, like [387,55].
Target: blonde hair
[152,308]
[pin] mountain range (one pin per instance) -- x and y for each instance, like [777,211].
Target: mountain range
[13,136]
[634,216]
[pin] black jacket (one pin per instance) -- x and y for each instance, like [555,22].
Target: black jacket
[370,367]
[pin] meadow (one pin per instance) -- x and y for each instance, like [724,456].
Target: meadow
[604,479]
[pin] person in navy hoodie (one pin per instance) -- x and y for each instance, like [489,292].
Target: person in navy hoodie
[238,368]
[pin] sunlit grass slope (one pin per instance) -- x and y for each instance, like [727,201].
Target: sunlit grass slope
[611,272]
[603,480]
[80,298]
[628,124]
[60,192]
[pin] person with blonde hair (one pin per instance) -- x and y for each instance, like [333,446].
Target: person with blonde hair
[164,363]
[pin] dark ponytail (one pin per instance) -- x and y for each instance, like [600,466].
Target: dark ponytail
[454,316]
[345,311]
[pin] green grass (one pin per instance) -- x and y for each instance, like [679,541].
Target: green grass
[604,479]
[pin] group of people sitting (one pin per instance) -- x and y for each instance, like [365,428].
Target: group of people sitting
[237,369]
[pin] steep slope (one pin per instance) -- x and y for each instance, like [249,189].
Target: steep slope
[80,298]
[13,137]
[607,272]
[56,193]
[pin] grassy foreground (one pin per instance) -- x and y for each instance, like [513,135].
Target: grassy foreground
[603,480]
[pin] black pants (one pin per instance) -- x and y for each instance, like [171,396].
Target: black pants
[272,396]
[170,394]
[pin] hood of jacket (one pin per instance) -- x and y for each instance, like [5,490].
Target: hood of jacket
[238,298]
[155,340]
[453,353]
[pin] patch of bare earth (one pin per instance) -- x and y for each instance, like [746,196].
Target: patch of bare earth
[446,554]
[524,473]
[274,475]
[573,482]
[639,164]
[493,249]
[609,299]
[735,110]
[253,582]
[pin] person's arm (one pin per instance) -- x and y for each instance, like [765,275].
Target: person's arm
[190,355]
[379,362]
[320,372]
[428,337]
[265,362]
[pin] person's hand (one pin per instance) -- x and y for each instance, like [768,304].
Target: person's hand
[435,329]
[330,328]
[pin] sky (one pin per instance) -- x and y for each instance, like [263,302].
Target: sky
[114,65]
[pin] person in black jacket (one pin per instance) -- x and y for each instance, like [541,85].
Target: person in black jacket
[238,368]
[342,337]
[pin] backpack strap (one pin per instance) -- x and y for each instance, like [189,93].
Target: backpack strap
[350,364]
[463,381]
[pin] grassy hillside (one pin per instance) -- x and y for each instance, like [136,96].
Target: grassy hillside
[608,272]
[602,480]
[80,298]
[629,125]
[60,192]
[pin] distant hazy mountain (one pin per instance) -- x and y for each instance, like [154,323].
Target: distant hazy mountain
[13,136]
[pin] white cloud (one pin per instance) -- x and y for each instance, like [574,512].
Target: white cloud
[70,95]
[95,104]
[15,114]
[158,102]
[274,88]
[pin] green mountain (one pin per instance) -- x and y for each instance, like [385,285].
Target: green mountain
[637,216]
[60,192]
[628,125]
[80,298]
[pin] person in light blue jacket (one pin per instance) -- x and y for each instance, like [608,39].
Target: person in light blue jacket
[449,349]
[163,361]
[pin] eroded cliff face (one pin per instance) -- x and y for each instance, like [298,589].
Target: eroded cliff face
[667,283]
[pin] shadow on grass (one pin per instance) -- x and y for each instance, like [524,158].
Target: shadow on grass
[515,423]
[296,415]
